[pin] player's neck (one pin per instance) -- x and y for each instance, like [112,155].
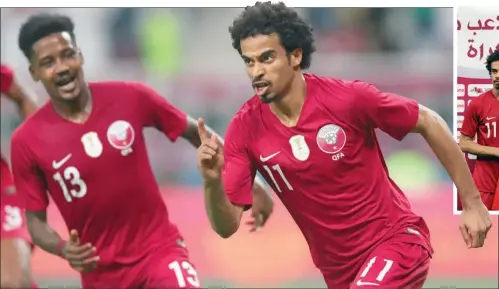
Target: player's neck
[495,92]
[288,107]
[76,111]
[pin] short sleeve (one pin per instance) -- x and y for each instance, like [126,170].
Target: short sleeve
[28,178]
[6,78]
[161,114]
[394,114]
[238,172]
[13,218]
[471,119]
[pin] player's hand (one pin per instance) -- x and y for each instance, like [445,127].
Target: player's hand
[263,206]
[210,155]
[475,224]
[80,257]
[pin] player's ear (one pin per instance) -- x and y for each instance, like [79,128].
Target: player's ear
[34,76]
[296,57]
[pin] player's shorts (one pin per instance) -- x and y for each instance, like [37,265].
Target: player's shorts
[394,265]
[487,199]
[170,271]
[495,201]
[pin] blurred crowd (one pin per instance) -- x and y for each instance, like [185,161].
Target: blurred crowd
[186,54]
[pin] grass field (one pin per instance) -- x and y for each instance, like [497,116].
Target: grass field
[469,283]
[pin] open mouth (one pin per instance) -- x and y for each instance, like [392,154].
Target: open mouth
[67,85]
[261,87]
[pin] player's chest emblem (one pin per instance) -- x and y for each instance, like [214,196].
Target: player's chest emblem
[331,138]
[121,135]
[92,144]
[299,147]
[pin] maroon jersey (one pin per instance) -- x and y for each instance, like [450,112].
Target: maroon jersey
[328,170]
[13,219]
[99,176]
[6,78]
[481,118]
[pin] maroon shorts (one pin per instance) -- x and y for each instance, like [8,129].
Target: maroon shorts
[172,272]
[394,265]
[168,271]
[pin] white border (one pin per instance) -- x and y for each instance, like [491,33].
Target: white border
[455,211]
[236,3]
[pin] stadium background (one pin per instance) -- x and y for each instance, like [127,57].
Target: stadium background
[186,54]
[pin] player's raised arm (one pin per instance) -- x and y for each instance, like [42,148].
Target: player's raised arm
[469,130]
[397,116]
[12,89]
[227,178]
[176,123]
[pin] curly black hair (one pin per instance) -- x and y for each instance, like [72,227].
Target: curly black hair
[266,18]
[41,25]
[492,58]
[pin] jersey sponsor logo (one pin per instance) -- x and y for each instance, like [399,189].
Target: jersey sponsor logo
[264,159]
[490,118]
[299,147]
[331,138]
[92,144]
[121,135]
[57,165]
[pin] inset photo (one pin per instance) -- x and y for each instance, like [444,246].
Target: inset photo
[477,99]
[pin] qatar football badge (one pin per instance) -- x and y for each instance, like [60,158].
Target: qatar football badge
[331,138]
[121,135]
[92,144]
[299,147]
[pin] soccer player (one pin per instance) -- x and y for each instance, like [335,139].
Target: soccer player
[480,119]
[85,147]
[313,139]
[15,241]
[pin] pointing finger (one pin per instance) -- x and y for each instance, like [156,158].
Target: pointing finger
[202,130]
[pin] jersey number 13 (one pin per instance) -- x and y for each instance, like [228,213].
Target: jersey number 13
[71,176]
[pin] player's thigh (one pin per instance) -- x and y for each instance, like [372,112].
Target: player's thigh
[173,272]
[394,266]
[487,199]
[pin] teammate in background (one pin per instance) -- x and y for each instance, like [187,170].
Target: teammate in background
[481,118]
[86,148]
[15,241]
[313,139]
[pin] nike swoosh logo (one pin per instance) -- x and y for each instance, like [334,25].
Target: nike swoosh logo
[361,283]
[262,159]
[489,118]
[58,165]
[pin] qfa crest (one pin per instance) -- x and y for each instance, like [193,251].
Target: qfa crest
[331,138]
[121,135]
